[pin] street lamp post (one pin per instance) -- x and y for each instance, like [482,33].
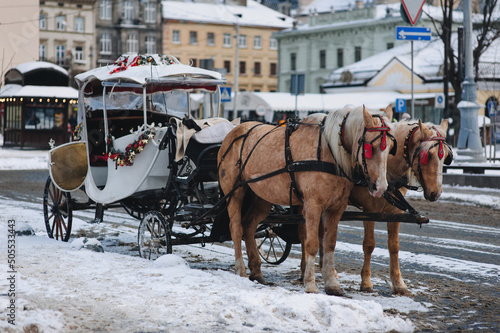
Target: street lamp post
[236,65]
[469,141]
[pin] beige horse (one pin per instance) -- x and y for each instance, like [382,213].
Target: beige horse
[421,151]
[252,151]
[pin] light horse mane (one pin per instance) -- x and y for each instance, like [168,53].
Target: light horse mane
[354,129]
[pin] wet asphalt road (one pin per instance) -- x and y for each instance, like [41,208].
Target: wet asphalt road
[453,262]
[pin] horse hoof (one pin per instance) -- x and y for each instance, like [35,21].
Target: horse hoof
[312,290]
[258,279]
[366,289]
[334,291]
[400,291]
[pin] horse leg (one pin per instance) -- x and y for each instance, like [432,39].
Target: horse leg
[312,215]
[234,211]
[257,212]
[398,285]
[331,223]
[368,247]
[302,237]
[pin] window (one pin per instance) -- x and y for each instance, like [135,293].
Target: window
[194,62]
[193,38]
[273,69]
[42,52]
[357,53]
[43,21]
[257,42]
[78,53]
[227,66]
[128,10]
[43,118]
[60,54]
[273,44]
[149,12]
[243,41]
[210,39]
[340,57]
[150,44]
[105,43]
[293,61]
[176,37]
[322,59]
[256,68]
[227,40]
[105,9]
[243,67]
[132,43]
[390,46]
[79,24]
[61,22]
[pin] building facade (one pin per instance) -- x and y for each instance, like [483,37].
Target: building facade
[128,26]
[18,34]
[204,35]
[67,31]
[326,41]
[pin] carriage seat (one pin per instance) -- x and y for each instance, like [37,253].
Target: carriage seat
[213,131]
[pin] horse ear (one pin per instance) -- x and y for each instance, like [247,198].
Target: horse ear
[367,117]
[425,131]
[389,112]
[444,124]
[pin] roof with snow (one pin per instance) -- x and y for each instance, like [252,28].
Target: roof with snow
[427,63]
[16,90]
[254,14]
[37,65]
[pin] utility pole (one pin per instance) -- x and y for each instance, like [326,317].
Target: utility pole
[469,142]
[236,65]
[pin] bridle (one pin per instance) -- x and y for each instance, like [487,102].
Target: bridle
[367,151]
[423,155]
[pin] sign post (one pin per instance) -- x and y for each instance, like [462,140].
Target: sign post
[412,9]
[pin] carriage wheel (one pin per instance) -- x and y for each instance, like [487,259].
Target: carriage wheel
[273,249]
[154,236]
[57,212]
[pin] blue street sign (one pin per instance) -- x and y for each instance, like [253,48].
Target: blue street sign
[492,108]
[413,33]
[400,105]
[225,94]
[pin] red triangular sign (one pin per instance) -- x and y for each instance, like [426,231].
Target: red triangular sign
[413,9]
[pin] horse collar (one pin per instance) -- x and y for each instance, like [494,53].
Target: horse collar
[406,147]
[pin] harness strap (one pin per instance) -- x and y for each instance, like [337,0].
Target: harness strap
[289,161]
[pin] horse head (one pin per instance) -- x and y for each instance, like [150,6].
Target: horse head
[431,152]
[373,150]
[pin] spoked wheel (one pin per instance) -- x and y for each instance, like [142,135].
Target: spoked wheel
[57,212]
[154,236]
[273,249]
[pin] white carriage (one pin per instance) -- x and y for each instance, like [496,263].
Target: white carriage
[137,146]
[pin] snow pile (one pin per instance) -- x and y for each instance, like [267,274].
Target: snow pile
[61,290]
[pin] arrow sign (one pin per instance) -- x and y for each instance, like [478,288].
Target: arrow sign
[413,9]
[413,33]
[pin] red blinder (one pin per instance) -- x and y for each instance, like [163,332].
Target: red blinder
[424,157]
[368,150]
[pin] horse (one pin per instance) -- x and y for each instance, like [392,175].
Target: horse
[257,169]
[421,151]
